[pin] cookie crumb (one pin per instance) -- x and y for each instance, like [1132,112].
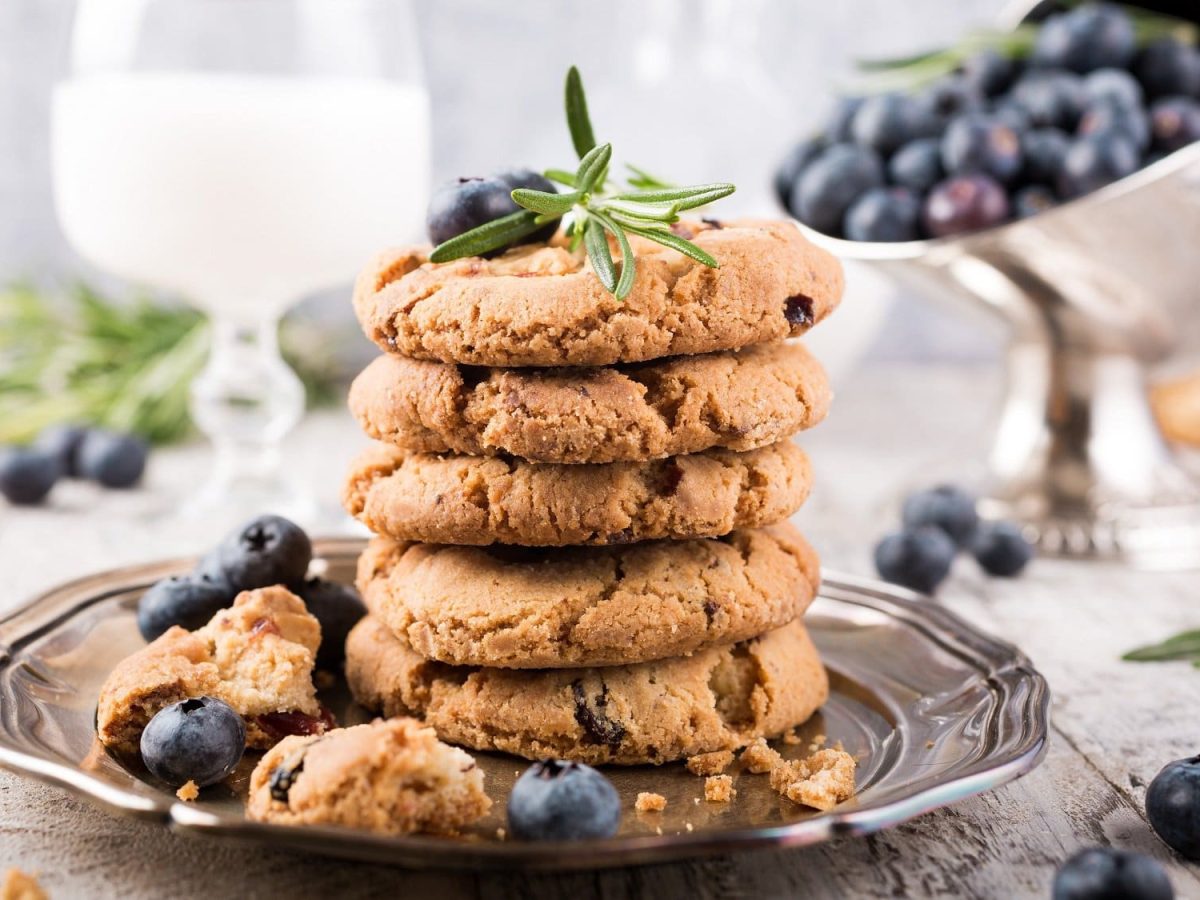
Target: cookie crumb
[719,789]
[688,825]
[792,738]
[929,745]
[501,834]
[658,829]
[648,802]
[712,763]
[20,885]
[188,792]
[759,758]
[821,781]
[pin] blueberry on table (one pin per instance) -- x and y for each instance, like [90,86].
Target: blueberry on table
[1094,161]
[1167,66]
[1108,118]
[337,608]
[1173,806]
[886,121]
[467,203]
[265,551]
[793,164]
[200,740]
[1094,36]
[534,181]
[977,143]
[831,182]
[884,214]
[838,129]
[1001,548]
[62,442]
[187,601]
[1050,98]
[989,72]
[27,474]
[1114,86]
[916,558]
[1174,123]
[1031,200]
[917,165]
[1102,873]
[1043,150]
[563,801]
[946,507]
[965,203]
[112,459]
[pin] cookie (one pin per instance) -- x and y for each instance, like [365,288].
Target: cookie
[486,500]
[716,699]
[668,407]
[392,777]
[1176,405]
[540,305]
[604,606]
[257,656]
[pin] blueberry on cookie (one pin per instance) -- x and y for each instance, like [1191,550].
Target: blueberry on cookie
[201,739]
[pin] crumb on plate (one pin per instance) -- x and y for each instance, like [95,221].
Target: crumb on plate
[710,763]
[188,791]
[821,781]
[719,789]
[759,758]
[648,802]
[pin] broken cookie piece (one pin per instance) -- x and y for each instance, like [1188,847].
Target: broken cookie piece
[648,802]
[710,763]
[719,789]
[822,780]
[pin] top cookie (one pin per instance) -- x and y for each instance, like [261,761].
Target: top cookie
[539,305]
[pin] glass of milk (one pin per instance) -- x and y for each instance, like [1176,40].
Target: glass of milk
[242,154]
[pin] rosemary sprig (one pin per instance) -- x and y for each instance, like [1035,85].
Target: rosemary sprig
[1183,646]
[594,209]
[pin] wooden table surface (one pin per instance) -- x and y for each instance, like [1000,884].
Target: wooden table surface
[1114,724]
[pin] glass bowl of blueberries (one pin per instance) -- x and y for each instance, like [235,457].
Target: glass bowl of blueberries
[1047,174]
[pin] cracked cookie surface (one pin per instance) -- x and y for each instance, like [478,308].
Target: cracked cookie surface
[717,699]
[485,500]
[602,606]
[539,305]
[738,401]
[257,655]
[390,776]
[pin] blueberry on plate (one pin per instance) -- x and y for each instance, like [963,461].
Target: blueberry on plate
[1033,199]
[838,129]
[1001,548]
[556,800]
[200,740]
[884,214]
[1167,66]
[187,601]
[1114,86]
[1094,161]
[886,121]
[946,507]
[1102,873]
[1174,123]
[1013,115]
[965,203]
[953,95]
[62,442]
[1043,150]
[112,459]
[534,181]
[793,164]
[265,551]
[1093,36]
[1106,118]
[467,203]
[977,143]
[989,72]
[916,558]
[1050,98]
[338,608]
[917,165]
[27,474]
[1173,806]
[831,182]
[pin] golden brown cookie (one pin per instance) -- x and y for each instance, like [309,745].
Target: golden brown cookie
[485,500]
[717,699]
[257,656]
[390,776]
[540,305]
[668,407]
[578,606]
[1176,405]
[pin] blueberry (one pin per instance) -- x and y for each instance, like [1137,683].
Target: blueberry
[1033,199]
[1167,66]
[1102,873]
[989,72]
[918,558]
[917,165]
[563,801]
[1114,86]
[946,507]
[952,96]
[1104,118]
[793,164]
[535,181]
[884,214]
[467,203]
[112,459]
[976,143]
[1001,548]
[1092,162]
[886,121]
[27,474]
[1013,115]
[200,740]
[1174,123]
[1173,806]
[965,203]
[62,442]
[265,551]
[1050,98]
[833,181]
[1094,36]
[838,129]
[187,601]
[1043,150]
[338,608]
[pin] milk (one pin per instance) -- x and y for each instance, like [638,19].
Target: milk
[240,192]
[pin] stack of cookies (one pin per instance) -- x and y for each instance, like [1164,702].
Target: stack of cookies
[580,502]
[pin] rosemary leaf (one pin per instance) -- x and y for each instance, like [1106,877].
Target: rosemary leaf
[659,212]
[670,195]
[592,167]
[488,237]
[1185,645]
[698,200]
[628,262]
[600,254]
[675,242]
[644,180]
[578,122]
[544,202]
[562,176]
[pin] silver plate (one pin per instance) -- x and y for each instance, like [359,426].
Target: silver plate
[934,710]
